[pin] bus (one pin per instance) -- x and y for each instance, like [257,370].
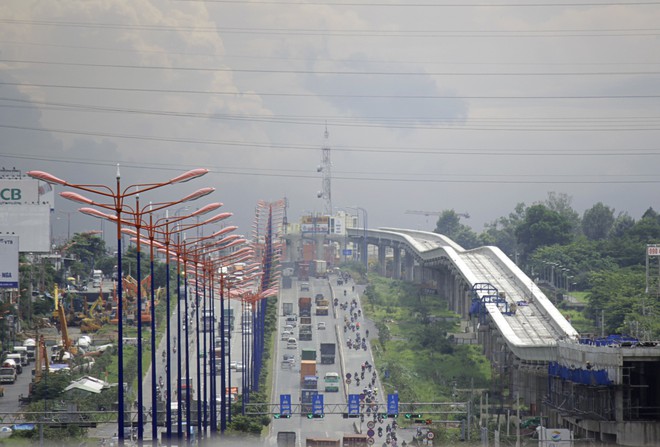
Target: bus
[331,381]
[208,320]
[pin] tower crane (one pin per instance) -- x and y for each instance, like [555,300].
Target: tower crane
[434,213]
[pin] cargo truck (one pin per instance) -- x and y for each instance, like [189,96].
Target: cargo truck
[305,332]
[322,310]
[286,439]
[305,306]
[287,309]
[306,320]
[287,282]
[306,399]
[307,368]
[322,442]
[355,440]
[308,354]
[310,383]
[328,353]
[319,268]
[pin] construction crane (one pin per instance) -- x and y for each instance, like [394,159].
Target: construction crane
[434,213]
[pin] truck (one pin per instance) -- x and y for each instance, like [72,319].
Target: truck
[305,306]
[8,372]
[323,302]
[328,353]
[319,268]
[310,383]
[306,320]
[307,368]
[322,442]
[355,440]
[287,282]
[31,345]
[229,315]
[308,354]
[97,277]
[186,385]
[305,332]
[306,399]
[286,439]
[322,310]
[287,308]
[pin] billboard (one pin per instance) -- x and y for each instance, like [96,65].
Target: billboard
[25,206]
[9,262]
[19,191]
[315,224]
[31,223]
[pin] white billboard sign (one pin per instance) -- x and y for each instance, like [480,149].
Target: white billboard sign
[653,250]
[14,191]
[31,223]
[9,262]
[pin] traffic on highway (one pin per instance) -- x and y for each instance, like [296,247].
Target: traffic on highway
[326,389]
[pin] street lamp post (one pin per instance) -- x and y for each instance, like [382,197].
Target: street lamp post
[117,197]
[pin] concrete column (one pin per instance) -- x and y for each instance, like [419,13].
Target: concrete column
[396,264]
[382,265]
[410,267]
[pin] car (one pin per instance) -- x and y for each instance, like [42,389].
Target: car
[321,326]
[286,335]
[233,365]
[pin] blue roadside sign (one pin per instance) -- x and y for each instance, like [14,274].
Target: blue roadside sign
[317,405]
[392,404]
[285,404]
[353,404]
[347,252]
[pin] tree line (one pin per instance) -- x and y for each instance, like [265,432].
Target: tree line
[600,253]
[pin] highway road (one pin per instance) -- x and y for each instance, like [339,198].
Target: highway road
[287,380]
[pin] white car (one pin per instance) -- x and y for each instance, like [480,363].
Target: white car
[321,326]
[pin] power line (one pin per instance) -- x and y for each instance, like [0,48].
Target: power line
[336,72]
[289,146]
[329,95]
[337,120]
[261,58]
[492,179]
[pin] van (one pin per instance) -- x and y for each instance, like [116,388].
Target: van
[22,350]
[292,343]
[16,358]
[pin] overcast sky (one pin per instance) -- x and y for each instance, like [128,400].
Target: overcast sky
[430,105]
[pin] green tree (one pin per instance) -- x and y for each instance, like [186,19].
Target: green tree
[561,203]
[542,227]
[597,221]
[621,225]
[502,232]
[449,224]
[87,248]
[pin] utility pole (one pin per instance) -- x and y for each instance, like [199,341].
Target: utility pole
[326,169]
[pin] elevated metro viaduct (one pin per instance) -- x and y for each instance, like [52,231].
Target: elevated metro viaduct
[607,390]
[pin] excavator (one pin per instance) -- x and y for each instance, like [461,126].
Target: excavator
[67,344]
[96,316]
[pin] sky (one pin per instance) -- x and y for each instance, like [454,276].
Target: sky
[473,106]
